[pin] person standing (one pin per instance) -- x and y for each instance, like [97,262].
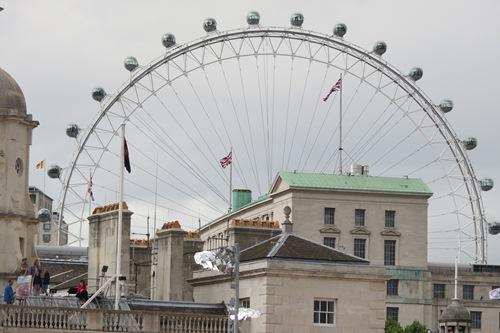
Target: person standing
[46,281]
[24,268]
[81,291]
[36,277]
[8,293]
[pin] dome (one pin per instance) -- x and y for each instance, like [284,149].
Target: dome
[11,96]
[455,312]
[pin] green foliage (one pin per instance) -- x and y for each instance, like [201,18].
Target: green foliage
[415,327]
[392,326]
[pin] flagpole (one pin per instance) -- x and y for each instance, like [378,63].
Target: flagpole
[44,175]
[231,182]
[340,124]
[120,220]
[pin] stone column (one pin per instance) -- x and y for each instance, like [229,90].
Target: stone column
[169,271]
[191,246]
[103,238]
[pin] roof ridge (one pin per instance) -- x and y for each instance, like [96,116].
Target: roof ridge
[279,244]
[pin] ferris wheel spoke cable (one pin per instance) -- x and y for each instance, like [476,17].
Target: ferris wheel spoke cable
[152,204]
[322,88]
[360,150]
[240,128]
[152,174]
[238,170]
[189,165]
[214,157]
[266,148]
[127,180]
[285,135]
[255,168]
[298,113]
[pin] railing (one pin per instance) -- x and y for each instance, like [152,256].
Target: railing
[50,319]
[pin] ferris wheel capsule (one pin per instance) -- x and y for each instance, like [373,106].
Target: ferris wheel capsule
[253,18]
[416,73]
[296,20]
[168,40]
[72,130]
[43,215]
[379,48]
[486,184]
[339,30]
[210,24]
[470,143]
[54,171]
[446,105]
[98,94]
[494,228]
[130,63]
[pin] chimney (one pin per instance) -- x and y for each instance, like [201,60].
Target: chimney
[287,224]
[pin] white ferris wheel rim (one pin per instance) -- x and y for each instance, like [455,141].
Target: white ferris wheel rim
[327,41]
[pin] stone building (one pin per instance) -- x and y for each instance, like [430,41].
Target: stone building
[47,231]
[17,218]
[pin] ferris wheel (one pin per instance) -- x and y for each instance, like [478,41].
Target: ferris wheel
[259,93]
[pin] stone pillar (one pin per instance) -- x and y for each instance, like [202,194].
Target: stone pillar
[103,241]
[192,244]
[169,270]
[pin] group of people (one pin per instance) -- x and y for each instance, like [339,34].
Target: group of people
[39,283]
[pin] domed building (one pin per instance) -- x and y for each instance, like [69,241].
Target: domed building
[455,318]
[17,219]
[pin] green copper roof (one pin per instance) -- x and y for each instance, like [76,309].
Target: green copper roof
[355,183]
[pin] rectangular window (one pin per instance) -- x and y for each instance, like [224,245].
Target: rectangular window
[476,319]
[324,312]
[359,217]
[245,302]
[360,247]
[329,215]
[439,290]
[392,287]
[468,291]
[329,241]
[390,216]
[46,226]
[389,252]
[392,313]
[46,238]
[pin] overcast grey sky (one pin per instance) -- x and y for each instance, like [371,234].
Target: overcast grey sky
[59,50]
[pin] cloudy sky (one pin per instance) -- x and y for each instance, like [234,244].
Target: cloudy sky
[59,50]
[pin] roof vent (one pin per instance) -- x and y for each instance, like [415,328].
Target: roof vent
[359,170]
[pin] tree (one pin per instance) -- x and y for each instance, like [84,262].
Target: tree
[392,326]
[415,327]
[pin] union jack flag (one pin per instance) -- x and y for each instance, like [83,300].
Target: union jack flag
[337,86]
[225,161]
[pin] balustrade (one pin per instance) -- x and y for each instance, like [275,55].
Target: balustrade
[33,319]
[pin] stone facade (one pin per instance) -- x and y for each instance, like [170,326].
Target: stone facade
[17,217]
[102,249]
[285,291]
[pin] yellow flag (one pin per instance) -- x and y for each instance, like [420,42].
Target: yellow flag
[41,165]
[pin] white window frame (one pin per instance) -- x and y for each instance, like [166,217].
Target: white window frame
[319,311]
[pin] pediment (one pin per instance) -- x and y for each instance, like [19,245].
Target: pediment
[330,230]
[390,232]
[360,231]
